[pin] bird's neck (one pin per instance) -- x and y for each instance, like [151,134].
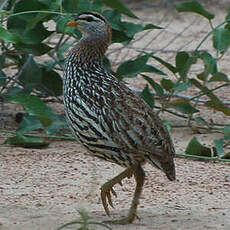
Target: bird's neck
[91,50]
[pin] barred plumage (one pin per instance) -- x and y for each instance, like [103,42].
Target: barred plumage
[111,121]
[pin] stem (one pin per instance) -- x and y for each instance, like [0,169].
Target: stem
[209,33]
[198,127]
[212,90]
[59,42]
[37,11]
[202,157]
[72,138]
[42,136]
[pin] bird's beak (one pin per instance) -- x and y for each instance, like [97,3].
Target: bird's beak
[71,23]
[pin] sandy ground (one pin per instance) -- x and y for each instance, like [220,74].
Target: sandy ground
[40,189]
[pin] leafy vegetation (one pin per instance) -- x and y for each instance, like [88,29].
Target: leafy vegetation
[85,221]
[27,38]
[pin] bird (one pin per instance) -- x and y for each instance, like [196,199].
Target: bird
[108,118]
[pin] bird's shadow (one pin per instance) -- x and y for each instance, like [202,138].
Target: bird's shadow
[165,219]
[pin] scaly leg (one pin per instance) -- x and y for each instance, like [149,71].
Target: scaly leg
[108,187]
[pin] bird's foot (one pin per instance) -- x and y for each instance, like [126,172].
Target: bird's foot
[106,196]
[126,220]
[107,189]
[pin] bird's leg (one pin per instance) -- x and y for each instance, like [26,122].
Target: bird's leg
[107,188]
[139,177]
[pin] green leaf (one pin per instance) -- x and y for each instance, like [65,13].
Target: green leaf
[65,47]
[131,29]
[35,49]
[54,5]
[35,35]
[29,5]
[227,18]
[159,90]
[30,73]
[167,84]
[151,26]
[204,89]
[221,39]
[61,24]
[97,5]
[167,124]
[120,37]
[85,5]
[77,6]
[3,78]
[39,17]
[116,4]
[209,61]
[58,122]
[134,67]
[2,61]
[7,36]
[147,96]
[210,64]
[107,64]
[194,7]
[201,120]
[34,106]
[195,148]
[15,90]
[26,142]
[227,132]
[183,106]
[181,86]
[151,69]
[29,123]
[218,143]
[52,82]
[226,156]
[7,12]
[170,67]
[114,18]
[215,102]
[218,106]
[70,6]
[183,63]
[122,28]
[202,76]
[119,30]
[219,76]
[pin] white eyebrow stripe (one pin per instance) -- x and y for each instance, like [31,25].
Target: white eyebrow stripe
[84,17]
[95,17]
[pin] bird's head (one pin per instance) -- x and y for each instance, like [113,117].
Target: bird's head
[91,24]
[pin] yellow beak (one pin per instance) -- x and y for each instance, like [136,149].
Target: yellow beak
[71,23]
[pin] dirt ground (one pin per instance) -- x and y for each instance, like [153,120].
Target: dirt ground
[41,189]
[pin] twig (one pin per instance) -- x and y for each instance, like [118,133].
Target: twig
[42,136]
[2,112]
[195,98]
[203,157]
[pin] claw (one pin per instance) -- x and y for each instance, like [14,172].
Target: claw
[127,220]
[109,199]
[114,193]
[107,191]
[104,202]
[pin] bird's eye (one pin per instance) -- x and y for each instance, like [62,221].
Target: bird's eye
[89,19]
